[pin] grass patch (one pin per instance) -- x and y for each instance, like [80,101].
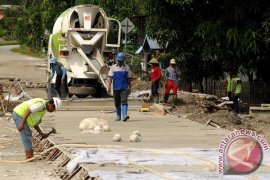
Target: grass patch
[5,43]
[27,51]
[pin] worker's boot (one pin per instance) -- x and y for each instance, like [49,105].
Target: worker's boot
[29,154]
[118,113]
[173,100]
[124,112]
[156,99]
[166,97]
[68,97]
[58,94]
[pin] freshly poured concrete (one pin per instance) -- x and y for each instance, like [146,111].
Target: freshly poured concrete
[194,145]
[158,131]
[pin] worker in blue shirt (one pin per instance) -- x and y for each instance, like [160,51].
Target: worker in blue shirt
[61,76]
[120,75]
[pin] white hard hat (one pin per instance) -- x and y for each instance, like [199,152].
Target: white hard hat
[172,61]
[57,103]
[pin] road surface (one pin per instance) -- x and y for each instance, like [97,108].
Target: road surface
[172,147]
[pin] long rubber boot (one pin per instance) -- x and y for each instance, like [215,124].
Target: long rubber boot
[124,112]
[173,100]
[166,97]
[58,94]
[156,99]
[118,113]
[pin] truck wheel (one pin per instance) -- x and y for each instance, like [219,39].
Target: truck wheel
[101,92]
[81,96]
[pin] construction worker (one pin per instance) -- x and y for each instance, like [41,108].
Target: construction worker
[172,74]
[120,75]
[61,77]
[229,85]
[29,114]
[154,79]
[236,91]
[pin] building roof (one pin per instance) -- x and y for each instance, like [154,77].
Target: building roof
[153,44]
[139,50]
[148,43]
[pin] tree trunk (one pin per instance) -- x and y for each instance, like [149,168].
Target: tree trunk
[250,77]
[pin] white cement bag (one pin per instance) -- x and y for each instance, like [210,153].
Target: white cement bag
[94,125]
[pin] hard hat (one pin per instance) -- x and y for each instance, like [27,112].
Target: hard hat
[53,60]
[172,61]
[153,61]
[120,56]
[57,103]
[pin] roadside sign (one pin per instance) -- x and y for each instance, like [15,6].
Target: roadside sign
[127,25]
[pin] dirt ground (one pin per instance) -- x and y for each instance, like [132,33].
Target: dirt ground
[224,117]
[27,69]
[188,105]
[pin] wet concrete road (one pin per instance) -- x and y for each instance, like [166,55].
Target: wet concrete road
[159,133]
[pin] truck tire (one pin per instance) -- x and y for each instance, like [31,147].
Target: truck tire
[52,93]
[101,92]
[82,92]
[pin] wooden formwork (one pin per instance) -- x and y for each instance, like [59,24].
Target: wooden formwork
[59,158]
[13,89]
[2,99]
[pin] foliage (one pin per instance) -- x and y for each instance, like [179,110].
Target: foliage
[10,20]
[4,42]
[28,51]
[210,37]
[3,32]
[118,9]
[9,2]
[205,37]
[21,31]
[37,17]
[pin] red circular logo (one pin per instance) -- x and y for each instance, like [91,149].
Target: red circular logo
[244,155]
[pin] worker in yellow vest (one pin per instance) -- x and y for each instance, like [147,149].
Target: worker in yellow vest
[229,85]
[29,114]
[236,91]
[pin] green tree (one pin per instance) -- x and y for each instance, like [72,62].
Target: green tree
[36,19]
[10,2]
[10,19]
[209,37]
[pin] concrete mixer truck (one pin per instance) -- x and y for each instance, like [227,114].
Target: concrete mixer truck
[84,39]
